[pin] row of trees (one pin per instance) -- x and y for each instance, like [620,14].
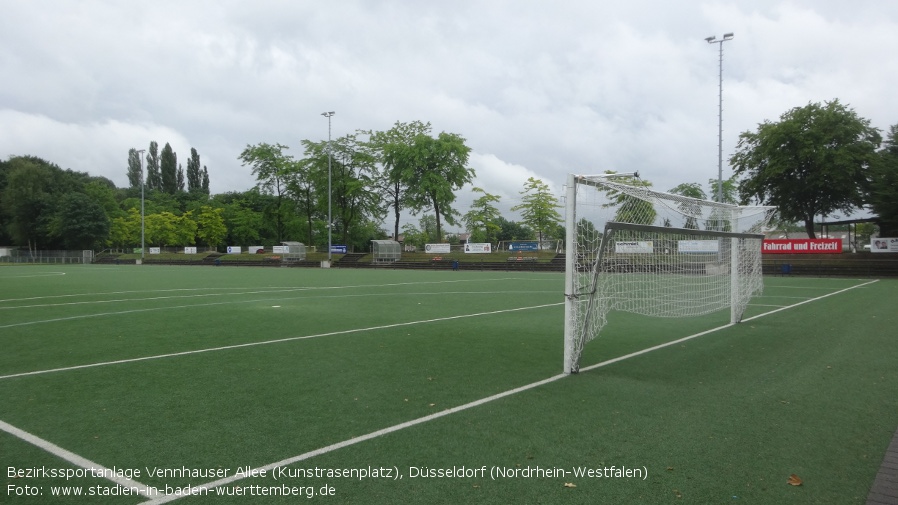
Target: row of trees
[815,161]
[164,173]
[45,207]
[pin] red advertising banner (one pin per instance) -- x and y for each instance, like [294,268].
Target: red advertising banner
[802,246]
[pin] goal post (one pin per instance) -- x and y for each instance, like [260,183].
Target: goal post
[630,248]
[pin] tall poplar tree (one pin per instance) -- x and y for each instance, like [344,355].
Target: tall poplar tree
[194,174]
[134,174]
[154,178]
[169,169]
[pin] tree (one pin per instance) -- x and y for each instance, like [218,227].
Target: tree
[270,165]
[134,175]
[306,177]
[194,174]
[125,230]
[432,170]
[883,193]
[354,198]
[80,222]
[815,161]
[205,180]
[690,190]
[730,190]
[482,219]
[691,208]
[389,147]
[169,169]
[27,201]
[154,177]
[631,209]
[511,230]
[180,183]
[538,207]
[211,227]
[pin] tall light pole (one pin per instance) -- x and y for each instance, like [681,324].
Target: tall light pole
[142,233]
[328,115]
[713,40]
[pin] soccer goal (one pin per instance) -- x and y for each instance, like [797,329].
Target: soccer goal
[633,249]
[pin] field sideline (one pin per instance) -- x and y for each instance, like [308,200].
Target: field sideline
[205,371]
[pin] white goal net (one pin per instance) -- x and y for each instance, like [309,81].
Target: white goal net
[633,249]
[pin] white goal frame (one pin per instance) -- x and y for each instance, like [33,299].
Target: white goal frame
[664,283]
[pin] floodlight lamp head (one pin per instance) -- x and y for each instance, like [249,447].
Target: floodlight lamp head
[710,39]
[727,36]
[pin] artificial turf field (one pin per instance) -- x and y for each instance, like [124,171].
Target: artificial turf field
[379,386]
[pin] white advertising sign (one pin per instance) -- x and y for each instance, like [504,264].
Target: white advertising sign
[633,247]
[233,249]
[155,250]
[884,245]
[437,248]
[697,246]
[190,250]
[478,248]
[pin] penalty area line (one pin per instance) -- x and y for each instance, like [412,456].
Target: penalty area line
[476,403]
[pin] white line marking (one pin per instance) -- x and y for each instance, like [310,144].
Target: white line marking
[277,341]
[75,459]
[476,403]
[369,436]
[258,300]
[45,274]
[269,289]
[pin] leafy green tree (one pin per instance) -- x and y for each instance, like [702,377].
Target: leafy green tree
[205,180]
[168,163]
[538,207]
[690,207]
[134,175]
[194,174]
[270,165]
[27,201]
[690,190]
[154,176]
[629,208]
[211,227]
[124,230]
[815,161]
[389,147]
[421,235]
[243,224]
[168,229]
[180,184]
[80,222]
[730,190]
[306,178]
[432,170]
[481,220]
[354,198]
[105,196]
[511,230]
[884,185]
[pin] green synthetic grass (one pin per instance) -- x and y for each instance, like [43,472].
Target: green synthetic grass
[724,417]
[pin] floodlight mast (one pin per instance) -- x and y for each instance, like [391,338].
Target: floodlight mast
[142,226]
[329,115]
[713,40]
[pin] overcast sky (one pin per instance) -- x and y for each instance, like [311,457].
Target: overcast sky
[538,88]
